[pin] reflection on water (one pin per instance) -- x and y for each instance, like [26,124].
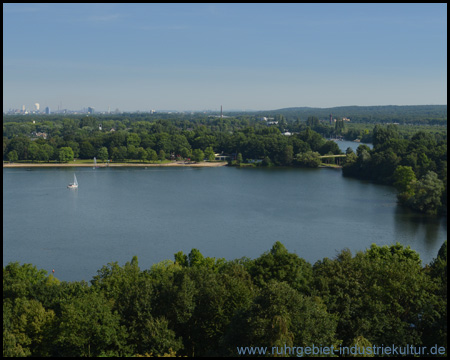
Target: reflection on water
[117,213]
[428,227]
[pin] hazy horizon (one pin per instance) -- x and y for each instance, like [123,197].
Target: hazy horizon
[217,110]
[245,57]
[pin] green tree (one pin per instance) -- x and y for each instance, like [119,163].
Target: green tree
[198,155]
[28,328]
[383,134]
[20,144]
[404,180]
[131,293]
[308,159]
[219,295]
[312,121]
[209,153]
[239,159]
[33,151]
[278,264]
[330,147]
[283,318]
[151,154]
[89,327]
[133,139]
[185,153]
[65,154]
[288,155]
[162,155]
[435,321]
[45,152]
[427,194]
[141,154]
[12,156]
[75,147]
[266,161]
[87,150]
[381,294]
[103,153]
[339,127]
[131,152]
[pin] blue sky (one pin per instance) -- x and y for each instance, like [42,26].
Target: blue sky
[242,56]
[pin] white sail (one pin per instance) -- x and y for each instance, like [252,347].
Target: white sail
[75,183]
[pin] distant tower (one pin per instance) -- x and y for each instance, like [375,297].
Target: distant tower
[90,110]
[47,110]
[36,105]
[331,119]
[23,108]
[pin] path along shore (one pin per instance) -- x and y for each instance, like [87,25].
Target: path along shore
[174,163]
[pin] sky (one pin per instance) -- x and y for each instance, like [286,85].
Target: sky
[196,57]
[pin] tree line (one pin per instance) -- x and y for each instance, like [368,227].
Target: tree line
[202,306]
[161,139]
[405,114]
[416,166]
[414,162]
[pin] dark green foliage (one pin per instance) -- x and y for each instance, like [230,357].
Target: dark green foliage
[65,154]
[90,327]
[404,178]
[435,329]
[278,264]
[400,162]
[427,194]
[201,306]
[382,294]
[308,159]
[418,114]
[280,316]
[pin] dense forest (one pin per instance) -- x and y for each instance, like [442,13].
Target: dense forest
[416,166]
[411,157]
[201,306]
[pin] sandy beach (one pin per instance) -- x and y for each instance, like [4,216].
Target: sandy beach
[174,163]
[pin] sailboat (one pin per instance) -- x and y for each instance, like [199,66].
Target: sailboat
[75,183]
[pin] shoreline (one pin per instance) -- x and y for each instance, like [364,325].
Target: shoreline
[175,163]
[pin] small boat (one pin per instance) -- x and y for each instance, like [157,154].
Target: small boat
[75,183]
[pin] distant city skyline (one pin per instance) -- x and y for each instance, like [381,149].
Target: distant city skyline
[197,57]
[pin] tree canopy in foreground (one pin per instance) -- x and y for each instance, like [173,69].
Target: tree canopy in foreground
[202,306]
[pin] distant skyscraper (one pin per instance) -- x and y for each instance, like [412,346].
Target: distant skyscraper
[47,110]
[90,110]
[36,106]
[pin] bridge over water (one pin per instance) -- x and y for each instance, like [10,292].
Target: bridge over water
[338,159]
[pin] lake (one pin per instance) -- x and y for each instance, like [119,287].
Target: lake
[344,145]
[154,212]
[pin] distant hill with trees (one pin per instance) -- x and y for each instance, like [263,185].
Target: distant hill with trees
[402,114]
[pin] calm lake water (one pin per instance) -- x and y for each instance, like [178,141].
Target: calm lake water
[224,212]
[343,145]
